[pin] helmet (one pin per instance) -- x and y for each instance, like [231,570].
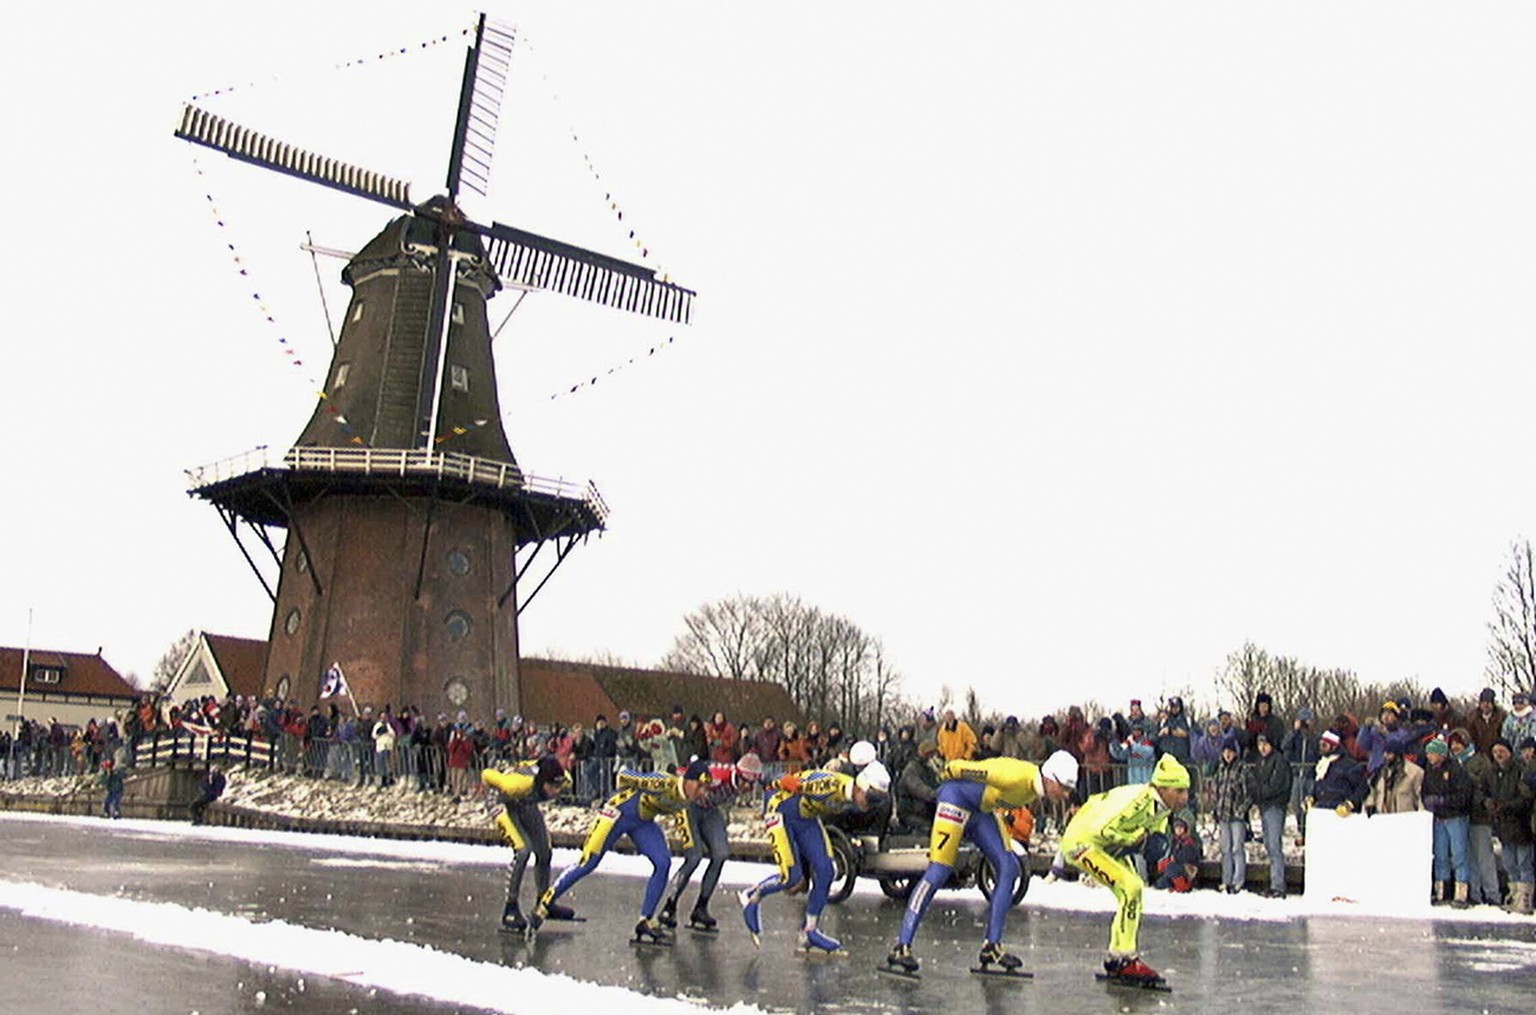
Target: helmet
[873,778]
[1061,767]
[861,753]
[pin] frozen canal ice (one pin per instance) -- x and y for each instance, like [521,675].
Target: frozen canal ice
[447,898]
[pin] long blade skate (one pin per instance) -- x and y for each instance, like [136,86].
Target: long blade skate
[1116,980]
[900,964]
[999,973]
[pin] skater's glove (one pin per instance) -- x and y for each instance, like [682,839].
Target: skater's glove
[1344,810]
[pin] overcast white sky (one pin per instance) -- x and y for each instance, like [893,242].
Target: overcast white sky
[1065,348]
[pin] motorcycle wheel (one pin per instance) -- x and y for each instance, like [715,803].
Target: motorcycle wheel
[899,888]
[845,865]
[986,880]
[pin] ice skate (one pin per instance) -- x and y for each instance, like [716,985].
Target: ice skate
[668,915]
[700,920]
[750,915]
[901,962]
[555,911]
[1132,972]
[512,921]
[995,961]
[650,932]
[814,942]
[536,920]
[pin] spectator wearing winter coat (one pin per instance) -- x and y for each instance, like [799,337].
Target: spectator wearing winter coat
[695,741]
[1521,721]
[1072,731]
[903,750]
[383,743]
[1173,733]
[957,741]
[1050,738]
[1510,805]
[461,755]
[1482,868]
[1205,750]
[1373,738]
[916,789]
[833,743]
[605,754]
[1137,752]
[654,743]
[1263,720]
[1179,867]
[1271,776]
[1486,723]
[794,749]
[1094,774]
[1444,717]
[1397,786]
[1447,795]
[1230,800]
[721,738]
[111,780]
[1008,742]
[678,732]
[767,739]
[1300,750]
[209,789]
[1338,780]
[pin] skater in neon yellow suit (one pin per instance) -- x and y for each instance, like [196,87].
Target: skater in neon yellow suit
[1111,823]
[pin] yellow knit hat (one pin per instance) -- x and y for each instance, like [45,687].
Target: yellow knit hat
[1170,773]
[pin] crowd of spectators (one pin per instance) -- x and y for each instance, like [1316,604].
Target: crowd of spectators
[1474,773]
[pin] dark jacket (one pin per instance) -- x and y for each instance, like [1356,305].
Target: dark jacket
[1510,805]
[916,793]
[1271,780]
[1447,790]
[1343,781]
[1230,794]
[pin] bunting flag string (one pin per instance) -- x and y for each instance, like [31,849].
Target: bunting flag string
[642,248]
[360,61]
[265,311]
[653,350]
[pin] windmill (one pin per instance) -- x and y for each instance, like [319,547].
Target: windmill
[409,525]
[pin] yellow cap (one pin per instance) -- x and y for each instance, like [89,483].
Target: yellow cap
[1170,773]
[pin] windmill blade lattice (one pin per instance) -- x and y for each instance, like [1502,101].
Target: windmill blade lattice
[202,127]
[485,84]
[537,262]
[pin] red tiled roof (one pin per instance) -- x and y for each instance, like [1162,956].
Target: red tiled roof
[240,660]
[581,690]
[83,674]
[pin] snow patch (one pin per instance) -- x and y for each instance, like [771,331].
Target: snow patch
[396,966]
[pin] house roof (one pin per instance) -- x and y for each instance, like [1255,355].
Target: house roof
[241,661]
[566,692]
[83,674]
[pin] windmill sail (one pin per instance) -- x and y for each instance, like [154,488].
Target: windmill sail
[485,82]
[202,127]
[537,262]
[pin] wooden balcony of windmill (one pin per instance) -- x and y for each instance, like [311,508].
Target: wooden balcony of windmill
[230,479]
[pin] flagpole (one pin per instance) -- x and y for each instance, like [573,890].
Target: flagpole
[21,689]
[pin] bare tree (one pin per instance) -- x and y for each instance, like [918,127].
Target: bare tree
[170,661]
[1512,632]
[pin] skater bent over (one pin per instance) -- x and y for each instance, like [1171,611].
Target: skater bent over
[1113,822]
[968,799]
[522,825]
[800,841]
[632,811]
[706,833]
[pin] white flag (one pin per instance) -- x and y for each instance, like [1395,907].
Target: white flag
[335,683]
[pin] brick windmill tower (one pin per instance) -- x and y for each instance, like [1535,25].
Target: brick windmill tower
[410,528]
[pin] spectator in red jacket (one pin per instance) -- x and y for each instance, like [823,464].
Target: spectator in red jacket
[721,736]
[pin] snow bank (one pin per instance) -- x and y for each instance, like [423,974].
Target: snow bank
[395,966]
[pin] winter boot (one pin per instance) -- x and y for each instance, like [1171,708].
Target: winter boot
[700,916]
[901,960]
[1132,972]
[813,940]
[992,954]
[1439,897]
[1520,893]
[512,919]
[1459,900]
[668,916]
[651,932]
[749,913]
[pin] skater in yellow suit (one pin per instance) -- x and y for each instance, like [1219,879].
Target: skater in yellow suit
[1109,824]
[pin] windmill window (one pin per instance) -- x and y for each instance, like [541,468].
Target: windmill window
[458,562]
[459,377]
[458,313]
[357,311]
[342,370]
[291,625]
[457,623]
[457,690]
